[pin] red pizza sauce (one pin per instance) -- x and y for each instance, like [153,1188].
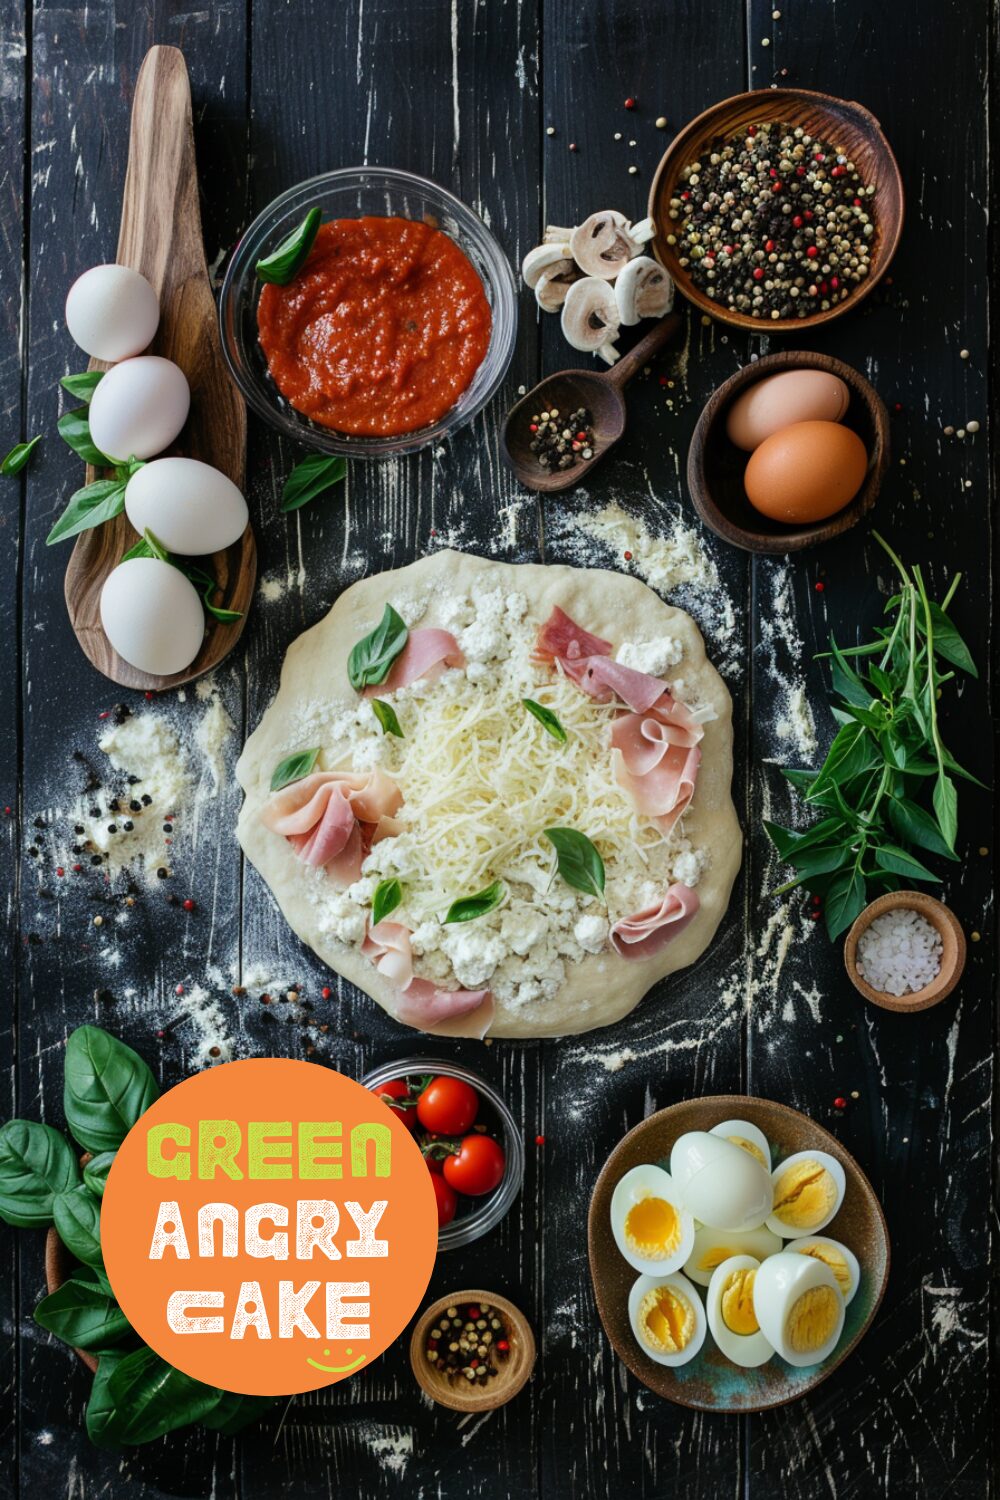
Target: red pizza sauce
[382,329]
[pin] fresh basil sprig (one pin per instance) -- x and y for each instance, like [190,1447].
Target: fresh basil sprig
[95,1172]
[94,504]
[77,1217]
[151,1398]
[19,456]
[150,545]
[887,748]
[83,1312]
[84,385]
[285,262]
[36,1165]
[548,720]
[577,860]
[311,478]
[74,429]
[386,715]
[468,908]
[370,661]
[293,768]
[387,896]
[107,1087]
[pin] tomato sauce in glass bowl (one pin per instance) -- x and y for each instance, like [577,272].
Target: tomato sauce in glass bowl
[382,329]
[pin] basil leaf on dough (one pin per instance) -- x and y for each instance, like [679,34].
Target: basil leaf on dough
[388,895]
[293,768]
[285,262]
[577,860]
[548,720]
[468,908]
[370,661]
[386,715]
[82,386]
[19,456]
[311,478]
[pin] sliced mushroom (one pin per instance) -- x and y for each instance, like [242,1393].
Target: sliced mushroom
[643,290]
[553,284]
[556,235]
[538,260]
[640,232]
[608,352]
[602,244]
[590,313]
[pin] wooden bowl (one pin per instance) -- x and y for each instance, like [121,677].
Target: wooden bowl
[504,1386]
[844,124]
[711,1382]
[59,1267]
[953,950]
[715,466]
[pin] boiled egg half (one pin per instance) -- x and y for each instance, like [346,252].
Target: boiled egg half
[713,1246]
[652,1228]
[808,1190]
[799,1307]
[842,1262]
[748,1137]
[723,1185]
[667,1318]
[732,1317]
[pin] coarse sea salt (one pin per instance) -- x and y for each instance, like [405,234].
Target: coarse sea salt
[899,952]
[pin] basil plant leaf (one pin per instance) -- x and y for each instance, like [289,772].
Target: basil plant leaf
[37,1163]
[82,1313]
[82,386]
[311,478]
[151,1398]
[95,1171]
[74,429]
[371,659]
[468,908]
[577,860]
[18,456]
[101,1409]
[386,715]
[293,768]
[235,1412]
[388,894]
[285,262]
[107,1088]
[90,506]
[77,1217]
[548,720]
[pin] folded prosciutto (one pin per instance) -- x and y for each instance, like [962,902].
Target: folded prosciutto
[562,639]
[658,758]
[587,660]
[651,930]
[332,818]
[425,652]
[421,1003]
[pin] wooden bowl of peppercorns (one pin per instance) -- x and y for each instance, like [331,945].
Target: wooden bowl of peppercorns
[792,216]
[472,1351]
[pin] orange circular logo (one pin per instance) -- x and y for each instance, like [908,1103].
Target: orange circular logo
[269,1227]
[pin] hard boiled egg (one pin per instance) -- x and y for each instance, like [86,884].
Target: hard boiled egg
[799,1307]
[805,472]
[808,1191]
[749,1137]
[842,1262]
[112,312]
[152,616]
[139,408]
[731,1315]
[191,507]
[723,1186]
[651,1226]
[713,1246]
[667,1318]
[779,400]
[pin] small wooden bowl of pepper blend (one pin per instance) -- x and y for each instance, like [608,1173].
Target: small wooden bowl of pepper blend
[472,1351]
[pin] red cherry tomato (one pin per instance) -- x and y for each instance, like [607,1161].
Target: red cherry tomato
[398,1089]
[447,1200]
[478,1166]
[447,1106]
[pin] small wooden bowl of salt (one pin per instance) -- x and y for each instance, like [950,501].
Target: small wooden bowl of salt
[900,951]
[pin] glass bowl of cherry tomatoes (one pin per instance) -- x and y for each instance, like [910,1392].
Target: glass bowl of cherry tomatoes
[468,1137]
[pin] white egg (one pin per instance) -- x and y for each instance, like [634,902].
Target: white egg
[723,1186]
[842,1262]
[713,1246]
[748,1137]
[189,506]
[112,312]
[139,408]
[651,1226]
[808,1190]
[152,616]
[799,1307]
[667,1318]
[731,1316]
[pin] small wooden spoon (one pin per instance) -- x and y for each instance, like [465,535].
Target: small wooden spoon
[599,391]
[161,237]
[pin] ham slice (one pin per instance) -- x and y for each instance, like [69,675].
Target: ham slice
[562,639]
[650,931]
[587,660]
[658,758]
[330,818]
[425,652]
[421,1003]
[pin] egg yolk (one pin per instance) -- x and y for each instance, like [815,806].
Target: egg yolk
[653,1228]
[666,1318]
[714,1256]
[832,1258]
[812,1319]
[805,1195]
[750,1148]
[737,1303]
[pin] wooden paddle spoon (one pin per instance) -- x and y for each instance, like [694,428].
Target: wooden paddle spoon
[600,392]
[161,237]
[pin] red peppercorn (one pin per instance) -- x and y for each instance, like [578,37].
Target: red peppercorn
[857,203]
[800,171]
[819,586]
[840,1102]
[502,1345]
[573,146]
[178,989]
[189,904]
[776,187]
[758,274]
[819,156]
[816,900]
[835,282]
[685,196]
[161,1035]
[768,246]
[532,426]
[539,1140]
[60,870]
[326,992]
[808,215]
[751,130]
[77,869]
[627,556]
[838,172]
[581,437]
[630,103]
[148,696]
[816,914]
[773,172]
[812,252]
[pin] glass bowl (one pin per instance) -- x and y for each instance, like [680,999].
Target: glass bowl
[488,1210]
[355,192]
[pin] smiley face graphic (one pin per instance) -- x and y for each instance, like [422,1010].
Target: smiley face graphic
[337,1369]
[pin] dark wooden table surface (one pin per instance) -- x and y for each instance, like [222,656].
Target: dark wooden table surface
[464,93]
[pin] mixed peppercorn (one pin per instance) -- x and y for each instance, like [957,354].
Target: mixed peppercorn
[468,1341]
[558,442]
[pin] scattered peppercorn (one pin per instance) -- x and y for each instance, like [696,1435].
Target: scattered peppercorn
[840,1102]
[464,1343]
[559,442]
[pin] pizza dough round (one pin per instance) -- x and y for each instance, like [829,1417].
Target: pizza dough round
[602,987]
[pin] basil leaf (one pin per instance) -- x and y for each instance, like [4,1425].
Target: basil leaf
[821,860]
[74,429]
[845,900]
[370,661]
[95,1171]
[293,768]
[947,641]
[917,827]
[287,260]
[577,860]
[204,581]
[386,715]
[101,1410]
[90,506]
[107,1087]
[388,894]
[945,801]
[81,1313]
[546,718]
[468,908]
[311,478]
[19,456]
[150,1398]
[82,386]
[890,857]
[851,753]
[77,1217]
[36,1164]
[234,1412]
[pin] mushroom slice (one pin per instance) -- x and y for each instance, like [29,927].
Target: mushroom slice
[539,259]
[601,245]
[640,232]
[555,235]
[553,284]
[608,352]
[590,313]
[643,290]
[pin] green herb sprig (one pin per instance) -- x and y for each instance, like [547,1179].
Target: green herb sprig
[149,545]
[578,860]
[310,479]
[468,908]
[549,721]
[370,661]
[19,456]
[885,752]
[293,768]
[101,500]
[286,261]
[387,896]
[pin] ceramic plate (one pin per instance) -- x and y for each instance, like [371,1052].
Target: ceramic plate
[711,1382]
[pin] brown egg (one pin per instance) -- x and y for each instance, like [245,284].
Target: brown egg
[805,472]
[779,400]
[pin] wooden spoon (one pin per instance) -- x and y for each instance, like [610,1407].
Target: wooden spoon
[599,391]
[161,237]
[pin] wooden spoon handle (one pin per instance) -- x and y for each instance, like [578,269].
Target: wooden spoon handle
[646,349]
